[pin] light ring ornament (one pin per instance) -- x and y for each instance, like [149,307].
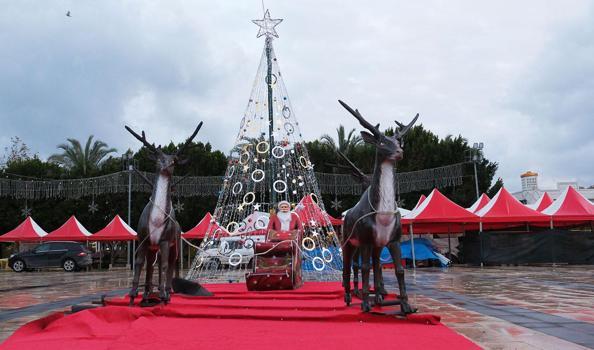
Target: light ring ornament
[231,171]
[244,158]
[241,227]
[217,232]
[307,247]
[274,80]
[327,251]
[260,224]
[249,243]
[258,175]
[259,147]
[289,128]
[235,259]
[314,198]
[224,248]
[251,196]
[278,152]
[321,261]
[237,188]
[279,190]
[286,112]
[303,162]
[233,224]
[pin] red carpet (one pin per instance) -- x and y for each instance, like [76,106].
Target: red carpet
[313,316]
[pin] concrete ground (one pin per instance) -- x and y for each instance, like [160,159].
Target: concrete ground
[496,307]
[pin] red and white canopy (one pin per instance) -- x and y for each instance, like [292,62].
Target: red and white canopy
[27,231]
[116,230]
[504,210]
[542,203]
[71,230]
[438,209]
[421,199]
[206,226]
[571,207]
[479,204]
[310,212]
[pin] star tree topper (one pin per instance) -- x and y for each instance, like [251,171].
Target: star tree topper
[267,25]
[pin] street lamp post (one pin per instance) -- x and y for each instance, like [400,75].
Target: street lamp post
[128,165]
[475,155]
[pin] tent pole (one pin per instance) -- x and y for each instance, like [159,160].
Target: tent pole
[552,222]
[412,247]
[133,255]
[481,242]
[449,242]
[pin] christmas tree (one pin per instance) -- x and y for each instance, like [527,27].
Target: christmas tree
[268,163]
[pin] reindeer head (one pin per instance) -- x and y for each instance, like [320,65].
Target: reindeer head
[165,162]
[389,148]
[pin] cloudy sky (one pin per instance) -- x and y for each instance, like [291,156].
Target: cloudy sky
[517,76]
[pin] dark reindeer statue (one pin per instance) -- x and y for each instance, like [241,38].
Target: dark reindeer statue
[374,222]
[158,231]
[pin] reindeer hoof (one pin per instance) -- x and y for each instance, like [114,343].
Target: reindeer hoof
[347,298]
[379,299]
[365,307]
[165,297]
[405,308]
[131,301]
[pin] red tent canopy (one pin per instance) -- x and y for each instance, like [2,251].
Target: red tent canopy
[27,231]
[71,230]
[479,204]
[310,212]
[116,230]
[504,210]
[542,203]
[206,226]
[571,207]
[439,214]
[421,199]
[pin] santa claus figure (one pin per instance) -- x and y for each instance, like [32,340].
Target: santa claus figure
[285,224]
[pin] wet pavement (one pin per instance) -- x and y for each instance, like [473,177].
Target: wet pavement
[496,307]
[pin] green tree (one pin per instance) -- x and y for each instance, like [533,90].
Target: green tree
[79,161]
[345,143]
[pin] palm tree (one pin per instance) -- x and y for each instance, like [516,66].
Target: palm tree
[82,161]
[346,143]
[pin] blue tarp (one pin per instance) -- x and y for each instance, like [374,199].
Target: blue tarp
[423,251]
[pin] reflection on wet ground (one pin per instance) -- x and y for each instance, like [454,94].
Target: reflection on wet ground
[497,307]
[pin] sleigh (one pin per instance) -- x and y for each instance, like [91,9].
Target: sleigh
[277,263]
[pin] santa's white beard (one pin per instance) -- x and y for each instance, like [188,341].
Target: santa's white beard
[285,220]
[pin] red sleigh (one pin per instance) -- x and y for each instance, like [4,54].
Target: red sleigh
[277,262]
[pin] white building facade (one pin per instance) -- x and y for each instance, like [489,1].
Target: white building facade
[530,192]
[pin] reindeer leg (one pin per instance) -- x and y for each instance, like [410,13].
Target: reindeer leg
[148,284]
[347,255]
[171,268]
[356,268]
[365,267]
[164,251]
[378,283]
[138,263]
[394,248]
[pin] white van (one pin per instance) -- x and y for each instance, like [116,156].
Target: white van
[230,252]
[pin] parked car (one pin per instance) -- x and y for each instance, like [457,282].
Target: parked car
[68,255]
[230,251]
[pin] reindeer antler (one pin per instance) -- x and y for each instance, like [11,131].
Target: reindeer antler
[364,123]
[402,129]
[189,140]
[355,171]
[142,139]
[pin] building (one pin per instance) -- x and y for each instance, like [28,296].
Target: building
[530,192]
